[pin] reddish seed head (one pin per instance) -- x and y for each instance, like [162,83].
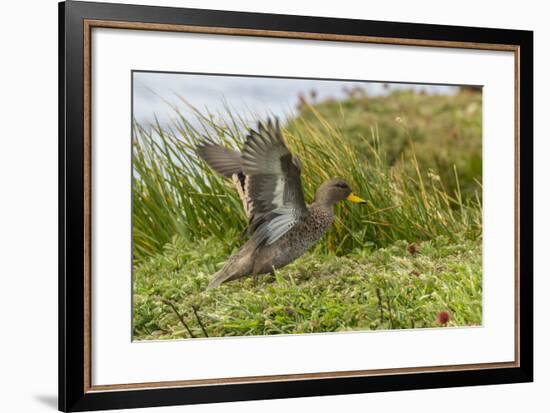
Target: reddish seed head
[443,317]
[313,94]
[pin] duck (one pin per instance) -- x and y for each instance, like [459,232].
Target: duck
[267,176]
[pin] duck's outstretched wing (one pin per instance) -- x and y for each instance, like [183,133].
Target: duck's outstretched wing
[272,184]
[224,161]
[227,163]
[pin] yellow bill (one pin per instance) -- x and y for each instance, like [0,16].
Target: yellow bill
[355,199]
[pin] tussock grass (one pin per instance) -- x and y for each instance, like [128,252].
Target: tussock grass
[175,193]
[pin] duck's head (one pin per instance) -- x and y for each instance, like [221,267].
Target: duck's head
[336,190]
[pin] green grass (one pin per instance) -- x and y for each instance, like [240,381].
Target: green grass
[416,158]
[175,193]
[365,290]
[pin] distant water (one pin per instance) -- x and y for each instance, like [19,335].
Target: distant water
[248,96]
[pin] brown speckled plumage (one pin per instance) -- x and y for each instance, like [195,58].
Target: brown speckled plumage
[295,242]
[281,226]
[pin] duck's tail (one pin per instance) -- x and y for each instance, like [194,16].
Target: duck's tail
[238,265]
[229,272]
[219,278]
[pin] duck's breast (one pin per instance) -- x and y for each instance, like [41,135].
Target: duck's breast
[295,242]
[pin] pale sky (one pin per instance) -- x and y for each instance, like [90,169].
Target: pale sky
[244,95]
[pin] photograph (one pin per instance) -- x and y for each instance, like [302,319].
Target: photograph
[350,196]
[271,205]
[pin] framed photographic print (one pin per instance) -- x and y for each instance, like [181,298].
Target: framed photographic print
[259,206]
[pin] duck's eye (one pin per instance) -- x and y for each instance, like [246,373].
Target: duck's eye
[341,185]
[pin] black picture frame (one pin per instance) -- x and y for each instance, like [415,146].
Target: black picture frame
[73,392]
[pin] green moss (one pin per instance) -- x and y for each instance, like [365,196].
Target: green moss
[365,290]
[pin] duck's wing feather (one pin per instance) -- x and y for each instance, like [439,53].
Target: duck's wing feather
[224,161]
[273,184]
[227,163]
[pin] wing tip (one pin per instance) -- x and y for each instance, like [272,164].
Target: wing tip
[224,161]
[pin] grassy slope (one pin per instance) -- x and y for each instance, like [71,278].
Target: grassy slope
[446,130]
[380,289]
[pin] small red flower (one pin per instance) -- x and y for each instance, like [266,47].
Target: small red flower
[443,318]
